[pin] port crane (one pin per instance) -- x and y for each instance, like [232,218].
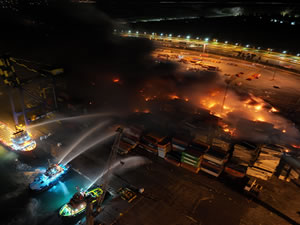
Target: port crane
[11,79]
[94,209]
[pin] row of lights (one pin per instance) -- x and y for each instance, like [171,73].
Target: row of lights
[280,21]
[206,39]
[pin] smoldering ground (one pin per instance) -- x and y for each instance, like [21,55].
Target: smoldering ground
[81,39]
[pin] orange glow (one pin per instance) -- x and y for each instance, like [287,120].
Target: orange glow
[146,111]
[215,93]
[211,105]
[186,99]
[173,97]
[258,107]
[260,119]
[283,131]
[116,80]
[296,146]
[273,110]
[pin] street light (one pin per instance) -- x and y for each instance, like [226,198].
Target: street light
[129,32]
[247,46]
[170,35]
[236,44]
[178,36]
[197,38]
[298,54]
[152,33]
[188,37]
[137,32]
[226,42]
[161,34]
[206,39]
[284,52]
[293,23]
[258,48]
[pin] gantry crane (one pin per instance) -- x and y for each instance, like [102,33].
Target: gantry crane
[94,209]
[12,80]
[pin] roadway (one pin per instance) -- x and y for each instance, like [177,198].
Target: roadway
[276,86]
[213,46]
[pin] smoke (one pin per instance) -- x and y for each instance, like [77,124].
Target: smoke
[29,215]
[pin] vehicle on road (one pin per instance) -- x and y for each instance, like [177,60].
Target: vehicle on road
[254,76]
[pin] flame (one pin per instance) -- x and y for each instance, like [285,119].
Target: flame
[260,119]
[116,80]
[211,105]
[258,107]
[173,97]
[273,110]
[227,129]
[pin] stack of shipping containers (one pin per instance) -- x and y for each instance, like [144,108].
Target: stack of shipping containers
[214,160]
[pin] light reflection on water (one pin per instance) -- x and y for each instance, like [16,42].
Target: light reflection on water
[61,193]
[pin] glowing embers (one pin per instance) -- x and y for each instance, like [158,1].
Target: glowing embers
[78,204]
[227,129]
[116,80]
[21,141]
[53,174]
[252,108]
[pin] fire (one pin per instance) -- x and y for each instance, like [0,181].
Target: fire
[260,119]
[173,97]
[116,80]
[258,107]
[227,129]
[252,108]
[273,110]
[141,110]
[212,104]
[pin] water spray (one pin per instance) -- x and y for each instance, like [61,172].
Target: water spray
[78,141]
[124,164]
[69,118]
[84,148]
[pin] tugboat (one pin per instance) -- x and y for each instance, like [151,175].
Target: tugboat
[53,174]
[78,203]
[21,140]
